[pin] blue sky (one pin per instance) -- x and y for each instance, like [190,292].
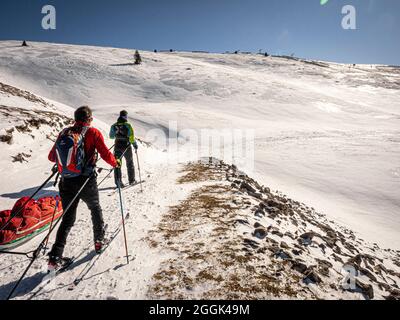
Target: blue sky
[302,27]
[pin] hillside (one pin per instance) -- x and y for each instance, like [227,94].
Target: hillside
[325,133]
[323,192]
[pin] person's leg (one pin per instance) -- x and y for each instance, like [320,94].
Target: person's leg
[68,189]
[90,195]
[129,164]
[117,171]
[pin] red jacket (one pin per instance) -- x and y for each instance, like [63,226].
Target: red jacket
[94,140]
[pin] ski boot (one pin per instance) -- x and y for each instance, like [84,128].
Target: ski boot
[56,264]
[98,246]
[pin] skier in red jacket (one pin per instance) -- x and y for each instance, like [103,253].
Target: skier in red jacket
[73,178]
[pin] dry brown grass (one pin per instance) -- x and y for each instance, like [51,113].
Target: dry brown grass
[199,172]
[22,93]
[32,119]
[221,265]
[208,201]
[208,275]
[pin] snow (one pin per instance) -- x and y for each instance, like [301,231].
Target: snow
[326,136]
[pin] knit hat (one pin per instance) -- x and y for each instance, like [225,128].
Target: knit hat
[123,115]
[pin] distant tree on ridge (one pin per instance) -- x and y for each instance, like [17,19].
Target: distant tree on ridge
[138,58]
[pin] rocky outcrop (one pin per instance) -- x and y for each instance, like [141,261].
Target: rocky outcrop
[35,124]
[276,245]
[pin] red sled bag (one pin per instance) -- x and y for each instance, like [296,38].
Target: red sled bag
[28,216]
[20,204]
[5,214]
[29,223]
[31,215]
[31,210]
[14,224]
[47,206]
[7,236]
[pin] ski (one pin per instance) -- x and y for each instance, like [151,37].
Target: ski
[65,267]
[96,256]
[51,275]
[115,190]
[67,262]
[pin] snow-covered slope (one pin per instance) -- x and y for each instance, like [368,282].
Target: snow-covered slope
[29,125]
[325,133]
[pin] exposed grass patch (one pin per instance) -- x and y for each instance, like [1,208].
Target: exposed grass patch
[29,120]
[219,256]
[22,93]
[211,262]
[199,172]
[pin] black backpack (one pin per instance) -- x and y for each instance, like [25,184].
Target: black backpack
[121,132]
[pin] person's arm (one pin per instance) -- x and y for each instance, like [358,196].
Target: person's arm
[112,132]
[132,139]
[101,147]
[131,133]
[52,154]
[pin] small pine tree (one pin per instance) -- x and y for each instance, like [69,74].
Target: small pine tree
[138,58]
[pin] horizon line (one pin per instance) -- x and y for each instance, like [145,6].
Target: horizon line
[243,52]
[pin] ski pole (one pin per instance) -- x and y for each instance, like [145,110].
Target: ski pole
[112,170]
[41,245]
[30,198]
[35,254]
[123,222]
[51,224]
[140,175]
[101,182]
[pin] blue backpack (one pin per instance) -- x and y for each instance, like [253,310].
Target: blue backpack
[70,152]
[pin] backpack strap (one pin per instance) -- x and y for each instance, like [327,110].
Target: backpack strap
[120,126]
[84,130]
[63,131]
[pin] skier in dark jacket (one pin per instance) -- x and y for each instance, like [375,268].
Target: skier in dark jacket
[93,141]
[124,136]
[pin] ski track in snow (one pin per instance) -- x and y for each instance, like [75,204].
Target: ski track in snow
[110,277]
